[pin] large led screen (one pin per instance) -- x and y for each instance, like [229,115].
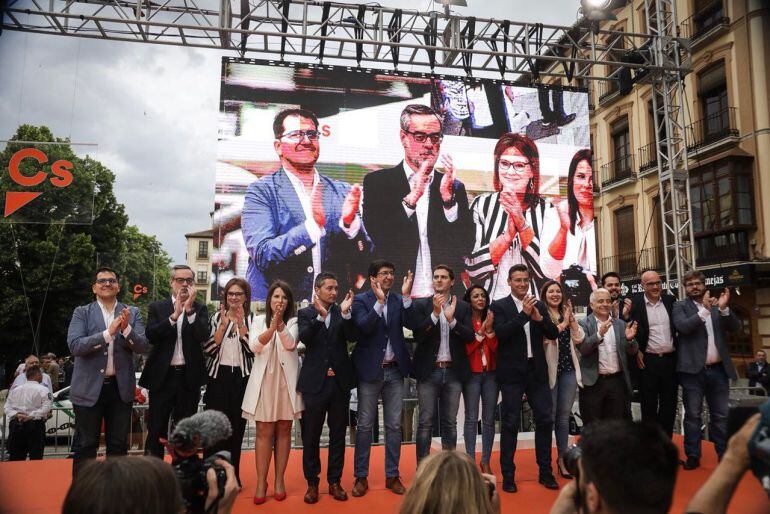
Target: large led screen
[327,168]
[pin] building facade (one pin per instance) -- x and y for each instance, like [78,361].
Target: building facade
[199,246]
[728,140]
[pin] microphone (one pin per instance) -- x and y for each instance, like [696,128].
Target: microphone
[204,429]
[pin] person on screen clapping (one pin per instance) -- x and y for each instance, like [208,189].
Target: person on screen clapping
[512,221]
[575,241]
[297,222]
[417,216]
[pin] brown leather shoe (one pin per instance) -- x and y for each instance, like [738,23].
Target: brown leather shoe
[360,487]
[486,468]
[337,492]
[311,496]
[395,485]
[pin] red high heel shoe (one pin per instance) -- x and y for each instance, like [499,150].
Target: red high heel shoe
[259,501]
[280,496]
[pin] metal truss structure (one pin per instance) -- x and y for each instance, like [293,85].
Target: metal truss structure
[668,103]
[373,36]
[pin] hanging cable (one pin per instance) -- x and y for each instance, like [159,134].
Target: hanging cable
[24,287]
[47,286]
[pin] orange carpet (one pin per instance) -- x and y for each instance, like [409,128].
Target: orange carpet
[40,486]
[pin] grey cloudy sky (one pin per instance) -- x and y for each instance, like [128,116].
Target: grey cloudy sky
[153,110]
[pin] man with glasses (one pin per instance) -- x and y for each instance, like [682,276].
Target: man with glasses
[296,222]
[656,359]
[704,363]
[175,370]
[416,216]
[103,337]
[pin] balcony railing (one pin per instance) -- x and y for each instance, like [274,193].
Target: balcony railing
[722,248]
[633,264]
[615,171]
[705,20]
[607,89]
[648,157]
[712,129]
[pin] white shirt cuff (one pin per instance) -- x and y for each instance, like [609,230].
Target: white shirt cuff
[379,308]
[127,331]
[191,318]
[407,210]
[434,318]
[320,318]
[173,323]
[452,325]
[346,315]
[353,229]
[107,337]
[407,302]
[451,213]
[704,313]
[314,231]
[725,311]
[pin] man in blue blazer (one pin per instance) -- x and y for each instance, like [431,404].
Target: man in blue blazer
[296,222]
[103,337]
[382,361]
[704,363]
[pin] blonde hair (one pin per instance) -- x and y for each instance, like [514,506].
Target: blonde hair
[448,483]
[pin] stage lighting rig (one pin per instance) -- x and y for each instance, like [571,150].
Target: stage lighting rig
[600,10]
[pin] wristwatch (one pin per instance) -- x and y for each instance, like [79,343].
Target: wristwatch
[406,204]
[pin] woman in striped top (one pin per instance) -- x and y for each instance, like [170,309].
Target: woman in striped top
[514,221]
[228,363]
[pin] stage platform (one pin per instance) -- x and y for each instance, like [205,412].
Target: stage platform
[39,487]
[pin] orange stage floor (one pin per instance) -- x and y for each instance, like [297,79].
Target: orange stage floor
[40,487]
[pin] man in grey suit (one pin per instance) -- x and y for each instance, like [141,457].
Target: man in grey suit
[604,355]
[102,337]
[704,364]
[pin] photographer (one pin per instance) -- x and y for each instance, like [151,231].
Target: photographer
[714,496]
[620,466]
[127,485]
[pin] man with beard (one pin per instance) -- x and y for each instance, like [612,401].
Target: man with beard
[418,217]
[296,222]
[704,363]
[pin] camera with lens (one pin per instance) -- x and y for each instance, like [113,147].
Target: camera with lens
[203,430]
[571,458]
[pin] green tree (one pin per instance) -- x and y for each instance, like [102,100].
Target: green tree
[46,268]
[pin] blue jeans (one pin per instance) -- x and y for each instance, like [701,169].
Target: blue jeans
[444,386]
[563,396]
[481,386]
[714,384]
[391,386]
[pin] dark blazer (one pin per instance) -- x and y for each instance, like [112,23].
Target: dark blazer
[427,336]
[395,235]
[375,334]
[86,343]
[162,336]
[639,314]
[693,338]
[279,245]
[325,348]
[756,376]
[589,350]
[512,341]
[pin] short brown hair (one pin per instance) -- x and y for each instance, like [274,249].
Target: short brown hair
[445,268]
[243,284]
[124,485]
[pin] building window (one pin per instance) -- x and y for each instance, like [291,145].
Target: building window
[708,17]
[201,277]
[712,96]
[625,241]
[739,342]
[621,148]
[203,249]
[721,197]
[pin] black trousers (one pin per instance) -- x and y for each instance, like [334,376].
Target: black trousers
[225,394]
[658,388]
[26,438]
[539,397]
[88,425]
[551,114]
[331,401]
[606,399]
[173,400]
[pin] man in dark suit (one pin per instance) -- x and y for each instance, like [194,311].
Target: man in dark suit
[103,337]
[656,358]
[521,322]
[325,381]
[442,327]
[175,369]
[758,373]
[415,215]
[605,353]
[382,361]
[704,363]
[296,222]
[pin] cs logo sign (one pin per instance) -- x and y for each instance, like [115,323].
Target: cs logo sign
[139,290]
[60,170]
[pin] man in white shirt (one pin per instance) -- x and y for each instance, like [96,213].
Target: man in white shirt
[704,363]
[656,359]
[604,354]
[297,222]
[28,407]
[417,216]
[21,378]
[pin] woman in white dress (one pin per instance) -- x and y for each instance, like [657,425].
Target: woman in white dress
[271,398]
